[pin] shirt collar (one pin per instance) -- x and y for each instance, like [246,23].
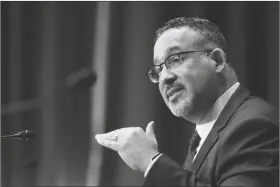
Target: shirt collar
[206,124]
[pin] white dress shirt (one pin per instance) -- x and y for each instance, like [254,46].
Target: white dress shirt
[204,127]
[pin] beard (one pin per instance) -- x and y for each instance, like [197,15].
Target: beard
[183,106]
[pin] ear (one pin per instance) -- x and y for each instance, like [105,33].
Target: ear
[219,57]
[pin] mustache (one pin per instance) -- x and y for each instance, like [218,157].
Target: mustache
[172,86]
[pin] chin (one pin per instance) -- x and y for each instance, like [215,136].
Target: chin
[181,109]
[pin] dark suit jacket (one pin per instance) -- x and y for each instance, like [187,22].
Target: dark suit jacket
[242,149]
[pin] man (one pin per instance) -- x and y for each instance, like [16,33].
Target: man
[236,138]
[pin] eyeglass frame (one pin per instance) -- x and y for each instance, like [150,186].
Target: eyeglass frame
[179,53]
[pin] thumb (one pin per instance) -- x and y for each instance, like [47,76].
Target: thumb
[150,129]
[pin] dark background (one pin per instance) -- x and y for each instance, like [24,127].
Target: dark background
[43,43]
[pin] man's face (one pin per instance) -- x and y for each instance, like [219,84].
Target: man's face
[191,89]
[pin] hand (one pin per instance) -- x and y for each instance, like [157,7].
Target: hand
[135,146]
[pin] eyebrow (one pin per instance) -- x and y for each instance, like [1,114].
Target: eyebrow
[171,49]
[169,52]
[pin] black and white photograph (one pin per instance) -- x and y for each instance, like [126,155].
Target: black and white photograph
[139,93]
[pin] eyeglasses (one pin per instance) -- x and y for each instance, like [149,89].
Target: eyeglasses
[173,61]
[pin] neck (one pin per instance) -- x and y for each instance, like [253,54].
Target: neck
[199,116]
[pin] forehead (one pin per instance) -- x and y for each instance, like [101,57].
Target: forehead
[174,40]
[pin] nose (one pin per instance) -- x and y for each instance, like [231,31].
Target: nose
[167,76]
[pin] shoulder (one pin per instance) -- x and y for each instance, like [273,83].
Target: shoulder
[253,116]
[255,106]
[255,109]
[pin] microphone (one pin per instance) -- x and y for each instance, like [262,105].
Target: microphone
[23,135]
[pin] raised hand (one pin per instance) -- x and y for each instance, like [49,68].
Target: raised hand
[135,146]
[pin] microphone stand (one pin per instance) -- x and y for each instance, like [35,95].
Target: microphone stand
[9,136]
[23,135]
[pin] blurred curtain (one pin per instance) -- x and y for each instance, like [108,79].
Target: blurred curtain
[42,43]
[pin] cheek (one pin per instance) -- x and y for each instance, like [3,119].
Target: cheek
[197,77]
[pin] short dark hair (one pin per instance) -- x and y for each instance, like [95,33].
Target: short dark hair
[207,29]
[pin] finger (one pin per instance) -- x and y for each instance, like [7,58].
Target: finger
[108,143]
[150,129]
[108,136]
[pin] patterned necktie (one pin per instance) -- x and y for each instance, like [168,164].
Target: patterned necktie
[194,143]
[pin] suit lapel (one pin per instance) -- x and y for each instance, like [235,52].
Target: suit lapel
[234,102]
